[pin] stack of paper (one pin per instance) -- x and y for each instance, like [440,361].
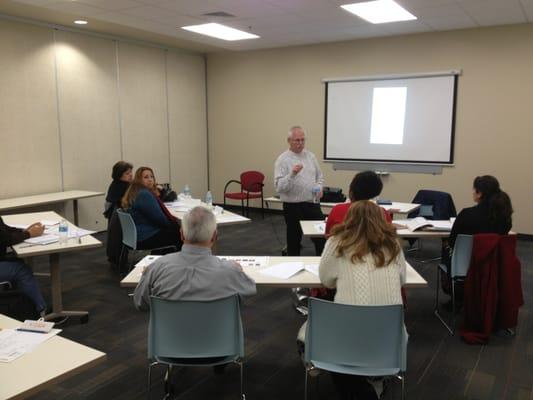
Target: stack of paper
[14,344]
[43,239]
[321,227]
[247,261]
[146,261]
[288,269]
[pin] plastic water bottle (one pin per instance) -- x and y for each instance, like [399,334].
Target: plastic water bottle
[187,191]
[316,193]
[63,232]
[209,199]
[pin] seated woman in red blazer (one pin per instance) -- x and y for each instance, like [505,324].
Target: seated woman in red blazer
[365,186]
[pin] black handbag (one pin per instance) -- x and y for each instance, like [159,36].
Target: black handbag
[332,195]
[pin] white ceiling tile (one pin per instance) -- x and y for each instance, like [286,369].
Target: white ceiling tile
[442,11]
[177,21]
[409,4]
[148,12]
[239,8]
[527,6]
[75,8]
[121,19]
[406,27]
[39,3]
[113,5]
[298,5]
[494,12]
[450,22]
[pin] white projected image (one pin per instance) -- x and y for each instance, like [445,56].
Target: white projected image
[388,115]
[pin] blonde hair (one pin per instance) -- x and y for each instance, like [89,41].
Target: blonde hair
[135,186]
[365,231]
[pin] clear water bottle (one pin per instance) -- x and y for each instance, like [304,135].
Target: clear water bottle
[63,232]
[209,199]
[316,193]
[187,191]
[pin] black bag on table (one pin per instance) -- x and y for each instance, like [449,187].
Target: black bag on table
[332,195]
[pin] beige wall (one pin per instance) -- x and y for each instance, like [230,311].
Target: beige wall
[253,97]
[72,104]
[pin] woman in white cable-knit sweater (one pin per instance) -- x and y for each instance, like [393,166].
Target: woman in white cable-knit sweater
[363,260]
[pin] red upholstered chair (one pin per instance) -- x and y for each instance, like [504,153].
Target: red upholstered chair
[251,188]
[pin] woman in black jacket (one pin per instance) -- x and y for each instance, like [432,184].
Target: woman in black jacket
[122,175]
[492,214]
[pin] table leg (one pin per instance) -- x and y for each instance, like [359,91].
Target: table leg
[55,273]
[57,296]
[75,207]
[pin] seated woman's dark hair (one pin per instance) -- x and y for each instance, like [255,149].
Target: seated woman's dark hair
[499,202]
[365,186]
[119,168]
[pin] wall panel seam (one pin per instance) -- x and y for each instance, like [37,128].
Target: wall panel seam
[58,112]
[168,119]
[118,101]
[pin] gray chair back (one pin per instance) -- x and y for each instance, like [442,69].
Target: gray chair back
[129,231]
[358,340]
[462,252]
[195,329]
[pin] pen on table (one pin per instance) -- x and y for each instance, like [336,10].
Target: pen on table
[29,330]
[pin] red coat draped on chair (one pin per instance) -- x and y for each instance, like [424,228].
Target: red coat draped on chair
[493,288]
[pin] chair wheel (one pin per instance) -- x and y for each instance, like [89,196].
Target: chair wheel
[84,319]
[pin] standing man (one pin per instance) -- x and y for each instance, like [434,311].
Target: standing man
[296,173]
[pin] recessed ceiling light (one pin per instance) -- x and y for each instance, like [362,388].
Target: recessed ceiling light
[220,31]
[379,11]
[81,22]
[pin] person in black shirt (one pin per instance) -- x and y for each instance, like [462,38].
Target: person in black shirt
[14,270]
[122,175]
[492,214]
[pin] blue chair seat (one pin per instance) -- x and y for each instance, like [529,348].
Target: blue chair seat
[353,370]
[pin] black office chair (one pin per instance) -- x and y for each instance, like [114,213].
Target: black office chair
[434,205]
[16,304]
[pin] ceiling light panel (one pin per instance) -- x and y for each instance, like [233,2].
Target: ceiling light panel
[220,31]
[379,11]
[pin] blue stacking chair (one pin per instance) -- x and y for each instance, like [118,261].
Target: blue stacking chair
[460,262]
[356,340]
[195,333]
[129,236]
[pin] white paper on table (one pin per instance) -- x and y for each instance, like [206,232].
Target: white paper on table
[50,222]
[321,227]
[18,226]
[283,270]
[43,239]
[247,261]
[452,220]
[441,225]
[46,222]
[313,268]
[14,344]
[79,232]
[231,218]
[146,261]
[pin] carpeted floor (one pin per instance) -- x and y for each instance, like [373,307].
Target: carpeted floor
[440,366]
